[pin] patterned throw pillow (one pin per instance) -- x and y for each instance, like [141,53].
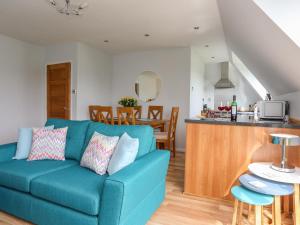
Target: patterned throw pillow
[48,144]
[25,142]
[98,153]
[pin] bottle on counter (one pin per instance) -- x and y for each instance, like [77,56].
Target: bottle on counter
[204,111]
[255,112]
[234,109]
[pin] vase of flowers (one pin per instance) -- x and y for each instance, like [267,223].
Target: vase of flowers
[128,102]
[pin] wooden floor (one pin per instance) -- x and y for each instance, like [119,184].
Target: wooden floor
[177,209]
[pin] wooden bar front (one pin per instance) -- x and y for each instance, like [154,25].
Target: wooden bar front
[216,155]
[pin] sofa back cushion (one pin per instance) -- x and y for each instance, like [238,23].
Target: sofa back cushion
[75,136]
[143,133]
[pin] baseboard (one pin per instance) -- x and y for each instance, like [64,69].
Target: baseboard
[180,149]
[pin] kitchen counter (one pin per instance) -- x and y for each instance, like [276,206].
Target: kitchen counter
[244,120]
[219,151]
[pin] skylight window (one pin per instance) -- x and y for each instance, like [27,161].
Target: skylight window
[285,14]
[246,73]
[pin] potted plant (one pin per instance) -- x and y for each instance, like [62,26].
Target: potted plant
[128,102]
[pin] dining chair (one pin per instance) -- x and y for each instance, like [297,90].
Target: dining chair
[168,138]
[155,112]
[93,110]
[126,116]
[105,115]
[137,110]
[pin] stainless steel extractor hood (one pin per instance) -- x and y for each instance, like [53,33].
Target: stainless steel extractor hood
[224,82]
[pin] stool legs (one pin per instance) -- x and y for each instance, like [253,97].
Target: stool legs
[277,210]
[268,215]
[249,211]
[235,211]
[296,205]
[273,214]
[286,205]
[258,215]
[238,211]
[241,209]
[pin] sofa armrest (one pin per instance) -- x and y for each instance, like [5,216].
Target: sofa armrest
[124,190]
[7,152]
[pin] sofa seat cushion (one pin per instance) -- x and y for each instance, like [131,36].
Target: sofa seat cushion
[75,136]
[18,174]
[75,187]
[143,133]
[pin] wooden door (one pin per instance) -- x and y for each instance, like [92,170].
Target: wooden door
[58,90]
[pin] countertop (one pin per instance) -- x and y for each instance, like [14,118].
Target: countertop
[244,120]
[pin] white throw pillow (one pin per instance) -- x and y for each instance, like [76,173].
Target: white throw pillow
[98,152]
[25,142]
[124,154]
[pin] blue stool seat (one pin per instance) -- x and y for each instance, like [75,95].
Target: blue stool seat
[247,196]
[267,187]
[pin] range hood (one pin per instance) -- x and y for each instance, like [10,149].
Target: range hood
[224,82]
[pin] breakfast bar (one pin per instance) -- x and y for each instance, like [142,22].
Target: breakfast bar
[219,151]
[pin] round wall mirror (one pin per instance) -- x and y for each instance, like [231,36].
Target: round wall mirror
[147,86]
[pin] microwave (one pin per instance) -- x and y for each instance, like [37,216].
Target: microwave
[273,109]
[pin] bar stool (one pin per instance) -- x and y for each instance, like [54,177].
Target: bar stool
[243,195]
[284,140]
[268,187]
[265,170]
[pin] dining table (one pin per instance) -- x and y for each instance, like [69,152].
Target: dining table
[160,124]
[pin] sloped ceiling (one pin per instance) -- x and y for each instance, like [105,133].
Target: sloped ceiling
[263,47]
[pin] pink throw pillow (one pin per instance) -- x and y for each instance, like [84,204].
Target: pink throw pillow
[98,152]
[48,144]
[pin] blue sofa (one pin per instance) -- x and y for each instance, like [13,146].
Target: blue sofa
[63,193]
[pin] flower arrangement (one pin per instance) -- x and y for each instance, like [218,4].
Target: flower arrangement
[128,102]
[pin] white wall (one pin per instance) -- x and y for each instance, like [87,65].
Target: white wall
[243,90]
[22,96]
[293,99]
[173,67]
[94,80]
[67,52]
[91,75]
[197,84]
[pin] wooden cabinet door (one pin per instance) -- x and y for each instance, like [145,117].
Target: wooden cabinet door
[58,90]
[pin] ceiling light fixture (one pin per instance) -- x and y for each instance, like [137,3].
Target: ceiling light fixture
[68,8]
